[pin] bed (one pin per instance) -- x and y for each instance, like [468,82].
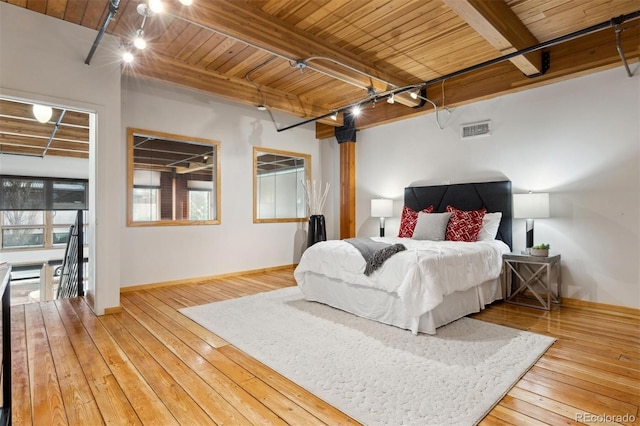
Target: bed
[431,283]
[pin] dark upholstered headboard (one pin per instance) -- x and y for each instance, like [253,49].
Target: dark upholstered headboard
[494,196]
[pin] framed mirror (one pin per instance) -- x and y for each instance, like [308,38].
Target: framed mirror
[278,191]
[172,179]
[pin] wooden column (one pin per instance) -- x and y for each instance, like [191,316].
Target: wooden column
[347,190]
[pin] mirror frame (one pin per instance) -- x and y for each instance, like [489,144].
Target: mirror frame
[256,150]
[131,132]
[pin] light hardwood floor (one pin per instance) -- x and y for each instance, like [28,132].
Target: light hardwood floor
[151,365]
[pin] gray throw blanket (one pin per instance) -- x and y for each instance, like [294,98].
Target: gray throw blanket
[374,252]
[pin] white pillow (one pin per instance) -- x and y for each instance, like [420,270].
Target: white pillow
[490,225]
[431,226]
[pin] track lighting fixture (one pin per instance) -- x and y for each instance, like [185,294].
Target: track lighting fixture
[262,108]
[334,116]
[391,99]
[355,110]
[186,2]
[42,113]
[414,94]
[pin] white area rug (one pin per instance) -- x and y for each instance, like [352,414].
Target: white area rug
[377,374]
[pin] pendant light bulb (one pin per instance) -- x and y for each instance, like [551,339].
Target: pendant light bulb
[156,6]
[139,41]
[42,113]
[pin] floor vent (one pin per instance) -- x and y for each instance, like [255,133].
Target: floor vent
[474,130]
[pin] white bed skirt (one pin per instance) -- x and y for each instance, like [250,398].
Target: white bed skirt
[387,308]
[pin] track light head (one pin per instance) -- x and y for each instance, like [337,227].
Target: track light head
[186,2]
[262,108]
[334,116]
[391,99]
[139,40]
[156,6]
[414,94]
[127,56]
[355,110]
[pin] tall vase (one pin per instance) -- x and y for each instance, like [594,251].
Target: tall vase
[317,230]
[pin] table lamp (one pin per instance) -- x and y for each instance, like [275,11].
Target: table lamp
[381,208]
[530,206]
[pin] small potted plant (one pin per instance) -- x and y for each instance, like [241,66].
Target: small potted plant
[540,250]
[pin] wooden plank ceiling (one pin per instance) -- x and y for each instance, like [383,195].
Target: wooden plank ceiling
[311,57]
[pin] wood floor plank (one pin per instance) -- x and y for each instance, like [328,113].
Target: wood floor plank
[292,391]
[219,410]
[159,304]
[146,403]
[576,397]
[229,391]
[198,344]
[551,377]
[80,404]
[164,369]
[550,405]
[182,407]
[46,396]
[113,403]
[20,383]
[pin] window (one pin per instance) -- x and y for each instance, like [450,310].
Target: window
[28,229]
[22,228]
[42,193]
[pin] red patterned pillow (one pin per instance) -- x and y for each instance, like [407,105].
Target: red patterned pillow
[464,225]
[408,221]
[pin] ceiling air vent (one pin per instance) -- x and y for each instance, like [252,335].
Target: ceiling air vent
[474,130]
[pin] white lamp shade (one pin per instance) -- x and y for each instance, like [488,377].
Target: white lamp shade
[530,206]
[381,207]
[42,113]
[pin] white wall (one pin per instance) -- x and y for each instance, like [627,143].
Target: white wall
[42,59]
[167,253]
[579,140]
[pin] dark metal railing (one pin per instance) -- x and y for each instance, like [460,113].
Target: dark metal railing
[71,278]
[5,330]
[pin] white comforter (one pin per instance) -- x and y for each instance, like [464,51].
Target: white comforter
[421,275]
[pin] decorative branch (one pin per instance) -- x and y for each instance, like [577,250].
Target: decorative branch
[315,199]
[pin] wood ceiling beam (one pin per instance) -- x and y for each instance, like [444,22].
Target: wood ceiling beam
[238,90]
[588,54]
[251,25]
[500,26]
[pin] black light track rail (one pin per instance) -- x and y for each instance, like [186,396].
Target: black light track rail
[612,23]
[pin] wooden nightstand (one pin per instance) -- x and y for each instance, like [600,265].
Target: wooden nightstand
[534,275]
